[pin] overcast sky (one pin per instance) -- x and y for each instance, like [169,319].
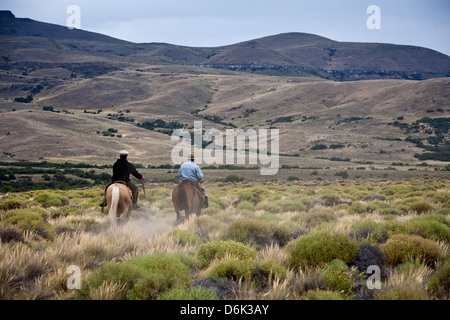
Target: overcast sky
[210,23]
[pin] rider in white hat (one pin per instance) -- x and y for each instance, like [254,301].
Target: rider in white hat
[121,172]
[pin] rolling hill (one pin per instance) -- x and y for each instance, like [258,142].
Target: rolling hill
[76,95]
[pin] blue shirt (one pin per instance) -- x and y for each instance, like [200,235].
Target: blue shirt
[190,171]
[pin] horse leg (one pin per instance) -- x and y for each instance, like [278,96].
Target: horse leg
[180,218]
[127,213]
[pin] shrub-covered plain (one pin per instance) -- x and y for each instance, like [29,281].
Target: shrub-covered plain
[286,240]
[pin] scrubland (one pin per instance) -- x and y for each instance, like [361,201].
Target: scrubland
[290,240]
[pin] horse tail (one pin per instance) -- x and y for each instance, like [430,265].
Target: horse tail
[115,197]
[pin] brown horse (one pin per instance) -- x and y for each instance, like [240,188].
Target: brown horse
[185,197]
[118,198]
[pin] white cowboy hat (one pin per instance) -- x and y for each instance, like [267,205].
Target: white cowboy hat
[123,152]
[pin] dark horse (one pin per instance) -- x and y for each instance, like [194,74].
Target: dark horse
[186,197]
[118,198]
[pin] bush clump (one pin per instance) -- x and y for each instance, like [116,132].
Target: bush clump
[10,204]
[434,227]
[317,249]
[402,292]
[232,268]
[143,277]
[247,195]
[316,216]
[330,200]
[368,255]
[51,199]
[11,233]
[420,207]
[219,249]
[372,234]
[31,220]
[322,295]
[439,283]
[339,277]
[224,288]
[193,293]
[266,271]
[257,233]
[401,248]
[185,237]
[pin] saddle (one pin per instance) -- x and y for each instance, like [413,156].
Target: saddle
[196,187]
[125,184]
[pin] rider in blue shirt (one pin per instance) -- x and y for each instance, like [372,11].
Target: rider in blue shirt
[192,172]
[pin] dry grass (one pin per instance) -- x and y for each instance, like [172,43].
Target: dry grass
[35,268]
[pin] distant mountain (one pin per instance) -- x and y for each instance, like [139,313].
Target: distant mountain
[73,95]
[293,54]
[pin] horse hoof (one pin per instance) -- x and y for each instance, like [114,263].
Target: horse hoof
[179,221]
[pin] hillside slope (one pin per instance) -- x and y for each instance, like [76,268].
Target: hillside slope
[85,96]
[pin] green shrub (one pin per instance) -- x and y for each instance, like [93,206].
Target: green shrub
[53,202]
[294,205]
[193,293]
[431,227]
[50,199]
[358,207]
[185,237]
[340,277]
[270,206]
[402,292]
[85,224]
[31,220]
[330,200]
[401,248]
[233,178]
[250,231]
[439,282]
[322,295]
[10,204]
[434,227]
[247,195]
[246,205]
[420,207]
[316,216]
[144,277]
[219,249]
[257,233]
[268,270]
[319,248]
[233,268]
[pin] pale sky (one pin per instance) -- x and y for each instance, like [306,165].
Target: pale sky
[208,23]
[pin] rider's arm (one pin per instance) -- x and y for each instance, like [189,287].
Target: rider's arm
[199,173]
[134,172]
